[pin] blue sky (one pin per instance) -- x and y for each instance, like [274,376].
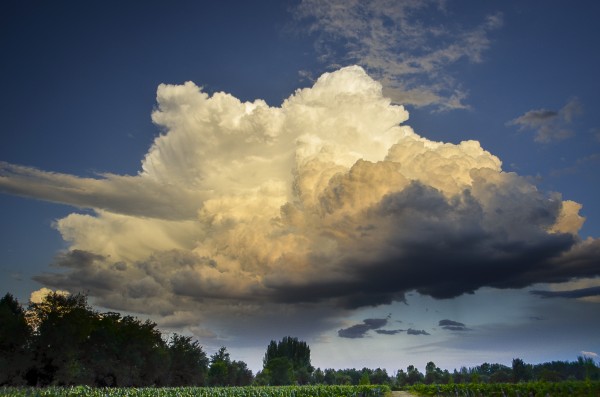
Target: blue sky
[202,216]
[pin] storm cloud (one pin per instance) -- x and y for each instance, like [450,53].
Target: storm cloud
[327,201]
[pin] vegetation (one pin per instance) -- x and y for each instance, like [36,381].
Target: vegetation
[252,391]
[286,362]
[62,341]
[533,389]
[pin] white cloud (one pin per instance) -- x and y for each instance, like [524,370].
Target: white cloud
[39,295]
[321,205]
[408,45]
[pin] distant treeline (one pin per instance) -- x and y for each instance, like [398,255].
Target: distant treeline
[63,341]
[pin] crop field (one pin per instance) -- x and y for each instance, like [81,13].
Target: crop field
[249,391]
[531,389]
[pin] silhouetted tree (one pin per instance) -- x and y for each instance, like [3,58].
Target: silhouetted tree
[62,325]
[14,336]
[189,364]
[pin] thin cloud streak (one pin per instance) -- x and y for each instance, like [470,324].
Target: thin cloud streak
[570,294]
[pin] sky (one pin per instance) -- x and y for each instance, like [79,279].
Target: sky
[393,182]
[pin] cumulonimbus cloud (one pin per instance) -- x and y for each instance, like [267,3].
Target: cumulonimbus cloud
[325,199]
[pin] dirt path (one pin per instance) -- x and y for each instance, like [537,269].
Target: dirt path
[402,394]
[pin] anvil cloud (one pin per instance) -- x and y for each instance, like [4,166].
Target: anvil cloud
[326,199]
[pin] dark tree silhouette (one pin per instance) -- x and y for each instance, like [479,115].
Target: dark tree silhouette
[189,364]
[14,337]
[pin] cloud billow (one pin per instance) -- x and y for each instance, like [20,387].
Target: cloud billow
[326,199]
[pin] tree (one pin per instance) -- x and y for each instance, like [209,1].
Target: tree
[61,327]
[318,377]
[281,371]
[14,336]
[380,377]
[297,355]
[189,364]
[239,374]
[219,368]
[401,378]
[430,373]
[413,375]
[364,379]
[329,377]
[521,372]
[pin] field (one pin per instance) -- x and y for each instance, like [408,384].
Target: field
[531,389]
[249,391]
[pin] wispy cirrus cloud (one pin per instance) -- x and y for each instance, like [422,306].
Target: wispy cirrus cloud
[407,45]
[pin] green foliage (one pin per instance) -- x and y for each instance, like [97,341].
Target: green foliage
[273,391]
[61,341]
[287,361]
[224,372]
[521,371]
[189,364]
[532,389]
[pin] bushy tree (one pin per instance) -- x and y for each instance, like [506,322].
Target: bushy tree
[62,325]
[188,362]
[239,374]
[14,338]
[521,372]
[287,361]
[218,373]
[413,375]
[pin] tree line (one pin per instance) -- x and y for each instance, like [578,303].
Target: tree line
[63,341]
